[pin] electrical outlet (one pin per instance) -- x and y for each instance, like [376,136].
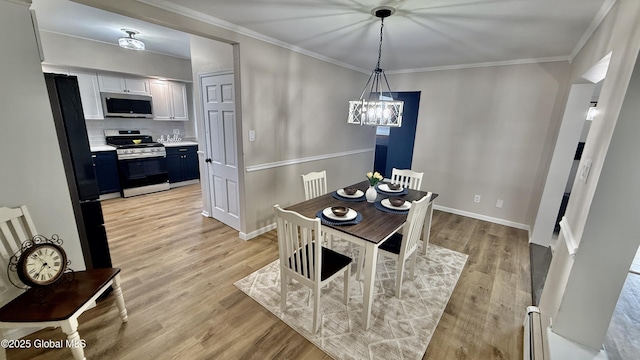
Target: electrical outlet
[176,131]
[499,203]
[476,199]
[252,135]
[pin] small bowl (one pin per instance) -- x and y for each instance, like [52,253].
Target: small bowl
[137,141]
[396,201]
[393,186]
[350,190]
[339,210]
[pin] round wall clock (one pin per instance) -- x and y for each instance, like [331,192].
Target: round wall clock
[41,264]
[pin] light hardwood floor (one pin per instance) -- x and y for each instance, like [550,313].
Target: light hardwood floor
[178,270]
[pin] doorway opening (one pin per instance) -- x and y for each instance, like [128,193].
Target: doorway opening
[394,145]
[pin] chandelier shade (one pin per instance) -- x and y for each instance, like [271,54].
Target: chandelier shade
[130,42]
[376,106]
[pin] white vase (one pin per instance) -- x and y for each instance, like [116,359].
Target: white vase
[371,194]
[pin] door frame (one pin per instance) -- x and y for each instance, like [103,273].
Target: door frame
[206,152]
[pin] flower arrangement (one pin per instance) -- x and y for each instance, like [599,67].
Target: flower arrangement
[374,178]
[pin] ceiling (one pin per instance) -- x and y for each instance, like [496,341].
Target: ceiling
[422,34]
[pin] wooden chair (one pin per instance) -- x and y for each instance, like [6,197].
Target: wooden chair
[315,184]
[303,258]
[405,245]
[62,304]
[407,178]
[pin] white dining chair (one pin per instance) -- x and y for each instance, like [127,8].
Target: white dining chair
[407,178]
[304,259]
[402,246]
[315,184]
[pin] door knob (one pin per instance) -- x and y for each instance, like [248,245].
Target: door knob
[208,160]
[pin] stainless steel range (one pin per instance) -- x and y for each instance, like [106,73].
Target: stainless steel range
[142,163]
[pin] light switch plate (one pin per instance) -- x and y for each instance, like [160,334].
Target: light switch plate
[584,170]
[252,135]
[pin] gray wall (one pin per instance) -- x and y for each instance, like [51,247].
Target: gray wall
[32,171]
[82,53]
[484,131]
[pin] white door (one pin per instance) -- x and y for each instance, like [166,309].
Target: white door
[218,101]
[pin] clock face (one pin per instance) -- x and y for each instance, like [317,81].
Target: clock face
[42,264]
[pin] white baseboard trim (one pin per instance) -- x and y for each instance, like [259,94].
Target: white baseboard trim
[205,213]
[258,232]
[516,225]
[483,217]
[184,183]
[304,160]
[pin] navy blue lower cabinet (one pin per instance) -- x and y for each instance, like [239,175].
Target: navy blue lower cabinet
[182,163]
[105,164]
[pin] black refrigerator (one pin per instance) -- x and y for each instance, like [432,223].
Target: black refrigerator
[68,116]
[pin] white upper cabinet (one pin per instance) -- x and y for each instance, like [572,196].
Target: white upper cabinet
[169,100]
[89,95]
[119,84]
[178,92]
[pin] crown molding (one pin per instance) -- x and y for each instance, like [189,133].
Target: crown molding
[480,65]
[597,20]
[184,11]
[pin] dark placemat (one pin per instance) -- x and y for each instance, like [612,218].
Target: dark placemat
[326,221]
[404,191]
[335,195]
[379,206]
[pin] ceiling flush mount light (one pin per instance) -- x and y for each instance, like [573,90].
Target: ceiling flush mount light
[130,42]
[377,108]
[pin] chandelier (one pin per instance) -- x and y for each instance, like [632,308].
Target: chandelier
[131,42]
[377,108]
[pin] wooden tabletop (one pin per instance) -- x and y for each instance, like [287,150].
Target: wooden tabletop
[375,226]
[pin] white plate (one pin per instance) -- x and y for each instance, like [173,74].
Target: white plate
[358,194]
[387,204]
[385,187]
[351,214]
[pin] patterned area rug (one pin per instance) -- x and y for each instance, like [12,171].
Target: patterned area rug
[400,328]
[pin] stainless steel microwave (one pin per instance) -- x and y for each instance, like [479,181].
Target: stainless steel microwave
[127,105]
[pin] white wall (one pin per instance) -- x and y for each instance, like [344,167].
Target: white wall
[484,131]
[32,171]
[610,237]
[580,292]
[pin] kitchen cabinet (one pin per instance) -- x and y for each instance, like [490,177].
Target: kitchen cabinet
[89,95]
[121,84]
[182,163]
[105,164]
[169,100]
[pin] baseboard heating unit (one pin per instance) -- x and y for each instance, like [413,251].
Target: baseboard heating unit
[533,346]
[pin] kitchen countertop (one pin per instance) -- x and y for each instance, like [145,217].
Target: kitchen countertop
[180,143]
[98,148]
